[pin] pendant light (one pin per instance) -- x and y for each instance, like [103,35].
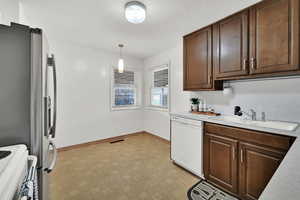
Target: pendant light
[121,60]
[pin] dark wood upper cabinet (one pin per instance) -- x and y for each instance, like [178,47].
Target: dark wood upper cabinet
[259,41]
[257,166]
[230,46]
[221,167]
[198,60]
[274,36]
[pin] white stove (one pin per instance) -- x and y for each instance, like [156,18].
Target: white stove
[13,170]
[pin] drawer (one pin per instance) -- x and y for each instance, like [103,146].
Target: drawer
[262,138]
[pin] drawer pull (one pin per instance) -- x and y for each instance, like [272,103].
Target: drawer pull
[252,63]
[244,64]
[210,79]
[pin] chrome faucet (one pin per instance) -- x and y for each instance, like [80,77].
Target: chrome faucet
[253,114]
[239,112]
[263,116]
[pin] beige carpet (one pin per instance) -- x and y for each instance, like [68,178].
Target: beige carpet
[137,169]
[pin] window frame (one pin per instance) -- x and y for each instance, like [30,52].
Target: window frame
[136,88]
[152,71]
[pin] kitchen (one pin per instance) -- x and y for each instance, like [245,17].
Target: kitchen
[255,66]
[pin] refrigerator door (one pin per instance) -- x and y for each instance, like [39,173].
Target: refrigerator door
[49,123]
[39,140]
[15,60]
[46,150]
[36,107]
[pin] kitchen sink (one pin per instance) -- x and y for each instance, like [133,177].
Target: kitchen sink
[287,126]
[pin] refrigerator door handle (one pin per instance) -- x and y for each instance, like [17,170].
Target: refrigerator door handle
[51,63]
[52,165]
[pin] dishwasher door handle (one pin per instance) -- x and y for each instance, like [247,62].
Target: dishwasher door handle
[198,125]
[182,123]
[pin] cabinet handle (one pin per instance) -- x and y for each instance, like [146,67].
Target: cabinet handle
[252,63]
[233,153]
[245,64]
[210,79]
[242,156]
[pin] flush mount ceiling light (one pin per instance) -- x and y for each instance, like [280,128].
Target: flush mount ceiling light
[135,12]
[121,60]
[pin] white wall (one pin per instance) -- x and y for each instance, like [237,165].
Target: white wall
[9,11]
[279,98]
[84,80]
[84,96]
[158,122]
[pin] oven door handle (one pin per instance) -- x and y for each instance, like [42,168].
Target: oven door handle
[52,165]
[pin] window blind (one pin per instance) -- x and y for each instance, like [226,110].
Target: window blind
[125,78]
[161,78]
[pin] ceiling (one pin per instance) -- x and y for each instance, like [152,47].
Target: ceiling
[101,23]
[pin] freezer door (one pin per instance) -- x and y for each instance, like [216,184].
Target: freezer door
[43,179]
[51,158]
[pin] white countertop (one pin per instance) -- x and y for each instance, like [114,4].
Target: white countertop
[218,120]
[285,183]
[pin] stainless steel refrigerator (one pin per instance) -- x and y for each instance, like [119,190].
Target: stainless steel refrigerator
[28,96]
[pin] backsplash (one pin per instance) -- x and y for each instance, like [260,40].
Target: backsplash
[279,98]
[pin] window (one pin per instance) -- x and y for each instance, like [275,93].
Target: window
[160,88]
[124,91]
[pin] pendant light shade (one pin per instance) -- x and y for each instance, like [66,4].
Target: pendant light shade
[135,12]
[121,65]
[121,60]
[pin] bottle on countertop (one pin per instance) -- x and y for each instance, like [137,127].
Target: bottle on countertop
[204,106]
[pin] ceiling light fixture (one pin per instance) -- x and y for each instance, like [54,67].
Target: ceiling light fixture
[135,12]
[121,60]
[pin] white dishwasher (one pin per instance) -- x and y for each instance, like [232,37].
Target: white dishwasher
[187,144]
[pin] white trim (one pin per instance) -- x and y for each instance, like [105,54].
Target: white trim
[120,108]
[157,108]
[160,68]
[165,65]
[149,106]
[137,87]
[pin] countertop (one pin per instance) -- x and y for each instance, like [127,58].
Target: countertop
[285,183]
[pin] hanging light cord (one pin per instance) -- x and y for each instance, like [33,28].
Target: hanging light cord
[121,46]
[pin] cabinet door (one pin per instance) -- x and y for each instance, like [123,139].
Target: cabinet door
[274,36]
[230,46]
[220,161]
[257,166]
[198,60]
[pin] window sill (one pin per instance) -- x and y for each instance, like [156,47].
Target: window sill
[125,108]
[161,109]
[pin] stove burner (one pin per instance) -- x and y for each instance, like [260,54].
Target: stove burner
[4,154]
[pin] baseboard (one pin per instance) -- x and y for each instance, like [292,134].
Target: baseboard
[112,139]
[158,137]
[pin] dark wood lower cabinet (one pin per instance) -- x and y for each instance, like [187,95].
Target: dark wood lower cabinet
[241,161]
[257,166]
[221,159]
